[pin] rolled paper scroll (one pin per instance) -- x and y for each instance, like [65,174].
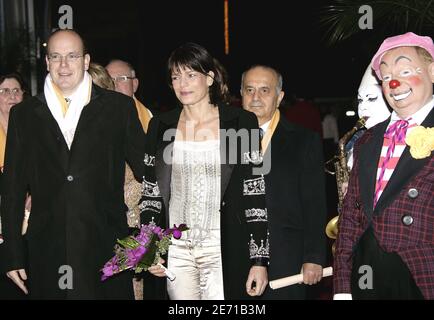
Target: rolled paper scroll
[298,278]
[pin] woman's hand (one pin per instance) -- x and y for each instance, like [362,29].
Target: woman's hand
[157,270]
[257,281]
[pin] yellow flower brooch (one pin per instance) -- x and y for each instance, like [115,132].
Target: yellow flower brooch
[421,142]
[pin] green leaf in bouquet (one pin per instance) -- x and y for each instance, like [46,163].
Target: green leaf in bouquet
[129,242]
[149,256]
[163,245]
[139,269]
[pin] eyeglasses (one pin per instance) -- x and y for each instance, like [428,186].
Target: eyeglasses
[9,92]
[70,57]
[122,78]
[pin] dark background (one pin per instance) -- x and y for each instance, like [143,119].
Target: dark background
[283,34]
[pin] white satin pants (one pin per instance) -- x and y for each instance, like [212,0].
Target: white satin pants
[198,271]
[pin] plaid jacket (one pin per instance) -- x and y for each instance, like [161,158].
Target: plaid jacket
[409,193]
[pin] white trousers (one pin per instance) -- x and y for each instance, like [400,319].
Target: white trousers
[198,271]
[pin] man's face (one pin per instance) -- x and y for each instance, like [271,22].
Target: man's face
[68,72]
[415,78]
[372,105]
[259,93]
[125,81]
[11,94]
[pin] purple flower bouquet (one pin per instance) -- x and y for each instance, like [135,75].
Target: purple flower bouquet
[140,251]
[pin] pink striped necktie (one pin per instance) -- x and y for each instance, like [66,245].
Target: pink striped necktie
[396,134]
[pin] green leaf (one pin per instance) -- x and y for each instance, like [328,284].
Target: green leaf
[149,256]
[129,242]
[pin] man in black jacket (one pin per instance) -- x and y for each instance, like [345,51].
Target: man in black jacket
[295,193]
[68,146]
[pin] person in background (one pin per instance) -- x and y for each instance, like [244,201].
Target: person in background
[305,113]
[12,92]
[371,105]
[126,82]
[100,76]
[295,188]
[330,131]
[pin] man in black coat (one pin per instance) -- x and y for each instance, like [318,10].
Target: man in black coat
[68,146]
[295,192]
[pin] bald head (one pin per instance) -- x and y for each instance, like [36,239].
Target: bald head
[69,34]
[123,76]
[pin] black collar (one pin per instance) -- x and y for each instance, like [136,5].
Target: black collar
[226,113]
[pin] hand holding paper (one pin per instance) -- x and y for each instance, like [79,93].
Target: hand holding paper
[288,281]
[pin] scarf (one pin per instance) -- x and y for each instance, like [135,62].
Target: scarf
[269,133]
[67,116]
[144,114]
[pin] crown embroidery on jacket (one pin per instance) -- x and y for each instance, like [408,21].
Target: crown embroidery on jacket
[254,186]
[150,205]
[150,189]
[256,215]
[261,251]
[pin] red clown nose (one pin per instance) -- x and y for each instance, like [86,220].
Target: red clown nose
[393,84]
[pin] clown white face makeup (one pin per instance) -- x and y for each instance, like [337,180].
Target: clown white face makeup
[407,80]
[372,104]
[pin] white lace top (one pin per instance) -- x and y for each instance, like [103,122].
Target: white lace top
[195,189]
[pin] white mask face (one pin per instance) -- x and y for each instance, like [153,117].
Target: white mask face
[372,105]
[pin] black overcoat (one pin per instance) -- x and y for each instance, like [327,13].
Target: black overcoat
[78,208]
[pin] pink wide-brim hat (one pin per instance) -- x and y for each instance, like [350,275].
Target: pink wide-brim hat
[408,39]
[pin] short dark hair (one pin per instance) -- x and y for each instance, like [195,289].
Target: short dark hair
[197,58]
[71,31]
[16,76]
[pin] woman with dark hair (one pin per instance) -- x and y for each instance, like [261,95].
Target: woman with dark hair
[197,174]
[11,93]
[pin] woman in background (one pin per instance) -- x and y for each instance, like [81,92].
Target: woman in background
[11,93]
[100,76]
